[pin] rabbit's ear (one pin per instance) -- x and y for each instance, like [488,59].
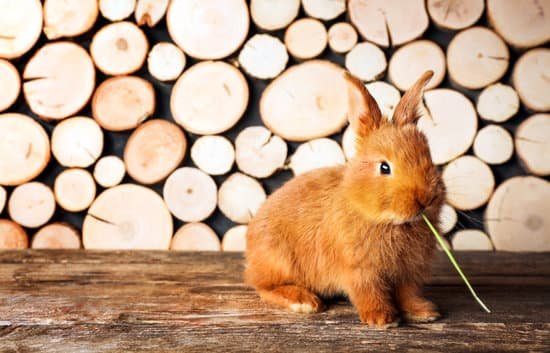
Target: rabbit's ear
[406,111]
[363,112]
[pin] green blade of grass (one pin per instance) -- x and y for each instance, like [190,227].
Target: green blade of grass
[453,261]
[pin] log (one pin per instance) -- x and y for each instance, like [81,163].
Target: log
[471,240]
[469,183]
[119,48]
[150,12]
[342,37]
[516,218]
[20,27]
[3,198]
[348,143]
[211,29]
[124,216]
[410,61]
[389,23]
[190,194]
[494,145]
[385,95]
[209,98]
[325,10]
[306,38]
[154,150]
[109,171]
[315,154]
[12,235]
[477,57]
[272,15]
[10,85]
[56,236]
[31,205]
[240,197]
[366,61]
[166,61]
[497,103]
[307,101]
[74,189]
[532,142]
[24,149]
[234,240]
[77,142]
[450,125]
[447,218]
[123,102]
[214,155]
[522,24]
[263,56]
[116,10]
[69,18]
[50,88]
[195,237]
[259,153]
[455,15]
[531,81]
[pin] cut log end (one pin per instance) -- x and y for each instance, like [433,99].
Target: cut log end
[447,219]
[234,240]
[20,27]
[532,142]
[366,61]
[272,15]
[342,37]
[195,237]
[109,171]
[12,236]
[471,240]
[455,15]
[323,9]
[498,103]
[263,56]
[10,85]
[494,145]
[531,81]
[56,236]
[166,61]
[150,12]
[240,197]
[306,38]
[69,18]
[214,155]
[259,153]
[74,189]
[315,154]
[31,205]
[116,10]
[77,142]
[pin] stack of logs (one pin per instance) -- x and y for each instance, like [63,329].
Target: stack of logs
[93,76]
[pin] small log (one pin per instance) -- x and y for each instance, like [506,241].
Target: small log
[74,189]
[272,15]
[50,87]
[24,149]
[235,239]
[214,155]
[306,38]
[450,126]
[389,23]
[366,61]
[263,56]
[342,37]
[109,171]
[455,15]
[307,101]
[211,29]
[477,57]
[410,61]
[116,10]
[3,198]
[32,204]
[516,218]
[497,103]
[127,216]
[195,237]
[69,18]
[325,10]
[531,81]
[240,197]
[77,142]
[56,236]
[532,141]
[20,27]
[166,61]
[315,154]
[471,240]
[385,95]
[10,85]
[119,48]
[447,219]
[469,183]
[523,24]
[150,12]
[154,150]
[259,153]
[190,194]
[12,235]
[209,98]
[123,102]
[494,145]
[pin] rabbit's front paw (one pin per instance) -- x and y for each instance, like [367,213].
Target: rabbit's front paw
[381,319]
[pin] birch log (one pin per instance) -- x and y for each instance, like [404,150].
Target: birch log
[263,56]
[366,61]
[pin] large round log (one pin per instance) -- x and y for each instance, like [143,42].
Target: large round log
[69,18]
[531,79]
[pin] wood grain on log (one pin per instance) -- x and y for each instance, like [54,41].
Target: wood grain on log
[69,18]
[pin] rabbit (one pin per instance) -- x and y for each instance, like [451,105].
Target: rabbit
[355,229]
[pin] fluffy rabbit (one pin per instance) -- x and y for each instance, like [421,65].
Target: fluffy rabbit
[355,229]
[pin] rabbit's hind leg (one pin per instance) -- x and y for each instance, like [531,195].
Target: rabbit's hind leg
[294,298]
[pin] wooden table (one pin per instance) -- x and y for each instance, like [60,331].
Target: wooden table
[84,301]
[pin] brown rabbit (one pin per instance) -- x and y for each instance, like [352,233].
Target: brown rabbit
[355,229]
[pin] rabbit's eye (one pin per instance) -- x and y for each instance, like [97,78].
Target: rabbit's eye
[385,168]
